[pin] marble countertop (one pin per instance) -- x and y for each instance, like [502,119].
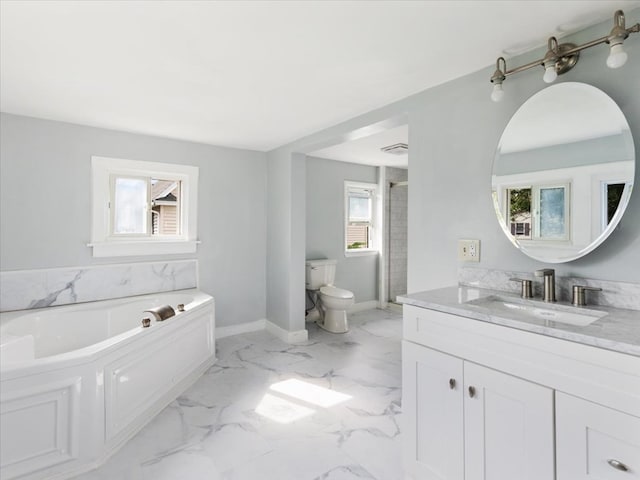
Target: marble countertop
[617,329]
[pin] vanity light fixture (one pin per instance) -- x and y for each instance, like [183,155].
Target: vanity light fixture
[561,58]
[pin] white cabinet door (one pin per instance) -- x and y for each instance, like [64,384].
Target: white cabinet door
[432,411]
[595,442]
[509,430]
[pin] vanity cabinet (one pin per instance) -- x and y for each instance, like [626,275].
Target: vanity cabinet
[595,442]
[482,401]
[472,422]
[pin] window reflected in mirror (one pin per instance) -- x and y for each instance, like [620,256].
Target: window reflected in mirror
[613,195]
[520,212]
[553,218]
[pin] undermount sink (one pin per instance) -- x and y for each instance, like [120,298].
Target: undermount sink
[531,309]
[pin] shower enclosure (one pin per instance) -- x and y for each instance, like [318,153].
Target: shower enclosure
[397,193]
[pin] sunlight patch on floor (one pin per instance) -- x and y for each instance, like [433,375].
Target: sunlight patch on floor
[286,408]
[281,410]
[310,393]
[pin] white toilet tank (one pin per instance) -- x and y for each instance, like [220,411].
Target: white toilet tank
[319,273]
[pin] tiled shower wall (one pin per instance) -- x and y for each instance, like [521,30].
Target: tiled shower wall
[396,208]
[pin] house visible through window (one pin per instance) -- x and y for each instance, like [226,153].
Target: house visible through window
[165,198]
[145,206]
[359,216]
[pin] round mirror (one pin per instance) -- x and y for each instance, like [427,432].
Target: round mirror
[563,172]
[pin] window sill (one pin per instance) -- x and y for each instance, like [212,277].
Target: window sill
[360,253]
[143,247]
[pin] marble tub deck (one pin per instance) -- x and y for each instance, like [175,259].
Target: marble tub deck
[228,425]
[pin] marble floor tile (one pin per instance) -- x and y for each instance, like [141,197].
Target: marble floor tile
[326,409]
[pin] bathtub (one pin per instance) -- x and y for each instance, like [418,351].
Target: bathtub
[77,382]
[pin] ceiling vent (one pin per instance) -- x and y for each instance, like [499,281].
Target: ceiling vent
[396,149]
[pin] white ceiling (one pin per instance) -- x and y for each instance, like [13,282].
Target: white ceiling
[366,150]
[254,74]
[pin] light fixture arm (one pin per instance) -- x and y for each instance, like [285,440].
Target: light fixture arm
[617,35]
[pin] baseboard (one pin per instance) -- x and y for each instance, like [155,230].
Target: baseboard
[230,330]
[359,307]
[285,335]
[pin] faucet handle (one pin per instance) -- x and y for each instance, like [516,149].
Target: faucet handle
[579,298]
[525,288]
[544,272]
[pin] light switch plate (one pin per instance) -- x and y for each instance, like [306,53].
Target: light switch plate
[469,250]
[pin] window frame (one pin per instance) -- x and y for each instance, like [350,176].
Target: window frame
[537,216]
[372,224]
[535,211]
[107,244]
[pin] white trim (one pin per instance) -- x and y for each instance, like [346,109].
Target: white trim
[285,335]
[360,252]
[362,306]
[372,223]
[104,244]
[142,247]
[230,330]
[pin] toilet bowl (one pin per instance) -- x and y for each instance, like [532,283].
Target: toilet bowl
[333,306]
[331,302]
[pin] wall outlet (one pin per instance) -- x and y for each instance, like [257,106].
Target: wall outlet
[469,250]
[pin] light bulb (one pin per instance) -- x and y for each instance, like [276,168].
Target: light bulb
[550,74]
[497,93]
[617,56]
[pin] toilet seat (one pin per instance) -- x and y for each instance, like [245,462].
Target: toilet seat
[336,292]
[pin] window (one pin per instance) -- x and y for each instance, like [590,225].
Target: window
[143,208]
[359,217]
[552,216]
[539,212]
[520,212]
[129,206]
[612,195]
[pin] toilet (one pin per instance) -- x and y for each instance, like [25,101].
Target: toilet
[332,302]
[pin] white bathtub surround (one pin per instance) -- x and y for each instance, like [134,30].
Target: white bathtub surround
[25,289]
[614,294]
[231,424]
[92,376]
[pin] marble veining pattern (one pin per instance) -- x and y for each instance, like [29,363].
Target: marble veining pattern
[25,289]
[235,423]
[618,330]
[614,294]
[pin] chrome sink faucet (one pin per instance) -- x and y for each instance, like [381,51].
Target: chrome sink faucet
[549,291]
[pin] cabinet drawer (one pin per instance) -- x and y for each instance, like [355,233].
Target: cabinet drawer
[595,442]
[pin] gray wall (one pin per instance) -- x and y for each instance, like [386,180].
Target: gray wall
[453,133]
[286,240]
[455,129]
[45,169]
[325,224]
[612,148]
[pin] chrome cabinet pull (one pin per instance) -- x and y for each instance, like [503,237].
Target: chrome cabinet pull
[472,392]
[618,465]
[452,383]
